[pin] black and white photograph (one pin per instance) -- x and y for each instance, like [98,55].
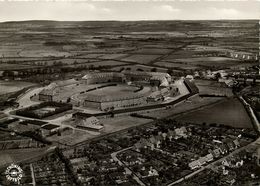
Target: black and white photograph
[129,92]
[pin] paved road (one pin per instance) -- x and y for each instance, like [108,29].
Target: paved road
[32,173]
[251,112]
[114,154]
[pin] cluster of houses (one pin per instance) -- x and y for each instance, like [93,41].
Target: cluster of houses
[154,142]
[216,153]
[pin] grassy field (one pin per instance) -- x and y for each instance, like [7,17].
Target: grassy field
[119,123]
[206,61]
[142,59]
[213,87]
[10,156]
[8,66]
[229,112]
[176,65]
[76,137]
[13,86]
[152,51]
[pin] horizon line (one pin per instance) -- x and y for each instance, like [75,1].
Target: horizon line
[113,20]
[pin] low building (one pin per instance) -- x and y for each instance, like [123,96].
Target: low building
[91,123]
[194,164]
[49,129]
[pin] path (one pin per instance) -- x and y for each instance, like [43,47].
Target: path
[114,154]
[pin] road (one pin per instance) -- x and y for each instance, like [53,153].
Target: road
[32,173]
[251,112]
[114,157]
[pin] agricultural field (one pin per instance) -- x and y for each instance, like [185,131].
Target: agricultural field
[141,59]
[213,88]
[106,63]
[16,155]
[9,66]
[228,112]
[13,86]
[178,65]
[112,56]
[222,62]
[152,51]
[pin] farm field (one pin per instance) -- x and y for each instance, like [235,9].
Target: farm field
[13,86]
[106,63]
[206,61]
[213,87]
[152,51]
[229,112]
[16,155]
[176,65]
[112,56]
[9,66]
[141,59]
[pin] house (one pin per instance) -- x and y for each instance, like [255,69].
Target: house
[181,132]
[156,141]
[222,149]
[202,160]
[143,143]
[153,172]
[194,164]
[209,157]
[171,134]
[216,153]
[230,146]
[236,143]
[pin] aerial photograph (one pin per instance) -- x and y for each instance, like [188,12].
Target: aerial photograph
[128,93]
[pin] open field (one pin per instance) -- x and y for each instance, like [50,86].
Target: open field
[183,107]
[212,87]
[6,66]
[106,63]
[76,137]
[142,59]
[11,156]
[119,123]
[152,51]
[13,86]
[206,61]
[229,112]
[135,42]
[176,65]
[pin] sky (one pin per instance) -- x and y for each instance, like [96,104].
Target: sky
[83,10]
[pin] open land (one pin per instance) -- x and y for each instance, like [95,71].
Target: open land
[229,112]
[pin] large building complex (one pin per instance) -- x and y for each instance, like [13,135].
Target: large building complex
[107,91]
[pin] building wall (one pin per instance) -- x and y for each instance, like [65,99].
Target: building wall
[107,79]
[123,103]
[91,104]
[43,97]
